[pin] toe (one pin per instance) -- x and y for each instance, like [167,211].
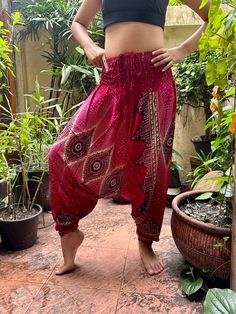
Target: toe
[150,270]
[65,270]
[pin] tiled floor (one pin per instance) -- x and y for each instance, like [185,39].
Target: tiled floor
[110,278]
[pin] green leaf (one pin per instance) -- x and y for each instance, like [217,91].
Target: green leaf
[204,2]
[214,42]
[221,67]
[210,73]
[205,270]
[204,196]
[80,50]
[191,286]
[184,267]
[220,301]
[97,76]
[37,90]
[59,110]
[230,92]
[80,69]
[66,71]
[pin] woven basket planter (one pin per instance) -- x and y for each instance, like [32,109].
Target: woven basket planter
[196,240]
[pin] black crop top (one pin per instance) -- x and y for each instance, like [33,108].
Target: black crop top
[146,11]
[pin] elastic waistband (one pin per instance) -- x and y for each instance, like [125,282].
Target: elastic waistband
[133,68]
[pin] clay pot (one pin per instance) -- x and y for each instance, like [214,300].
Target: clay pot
[197,240]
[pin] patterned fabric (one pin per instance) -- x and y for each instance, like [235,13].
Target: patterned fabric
[119,141]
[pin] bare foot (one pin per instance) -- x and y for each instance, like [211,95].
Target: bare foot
[152,263]
[70,243]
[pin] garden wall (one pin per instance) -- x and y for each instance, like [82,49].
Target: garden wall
[181,22]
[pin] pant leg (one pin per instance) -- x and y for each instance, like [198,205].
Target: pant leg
[150,158]
[87,161]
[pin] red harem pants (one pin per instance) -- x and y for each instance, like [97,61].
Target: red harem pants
[118,142]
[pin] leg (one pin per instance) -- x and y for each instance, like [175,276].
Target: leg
[69,202]
[70,243]
[86,163]
[152,137]
[152,263]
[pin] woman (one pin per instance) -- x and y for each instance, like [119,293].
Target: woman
[120,140]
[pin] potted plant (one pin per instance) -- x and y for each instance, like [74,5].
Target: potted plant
[194,92]
[219,34]
[19,216]
[19,219]
[205,245]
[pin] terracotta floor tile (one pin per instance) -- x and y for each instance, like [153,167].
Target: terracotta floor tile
[53,299]
[16,297]
[28,272]
[102,225]
[73,299]
[141,303]
[97,301]
[136,278]
[98,268]
[109,271]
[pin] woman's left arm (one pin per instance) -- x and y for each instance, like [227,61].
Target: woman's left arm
[170,56]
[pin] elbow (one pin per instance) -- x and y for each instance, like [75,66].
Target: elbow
[75,24]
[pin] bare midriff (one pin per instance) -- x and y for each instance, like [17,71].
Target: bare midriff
[132,37]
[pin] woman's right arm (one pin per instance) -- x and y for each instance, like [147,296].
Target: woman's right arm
[80,24]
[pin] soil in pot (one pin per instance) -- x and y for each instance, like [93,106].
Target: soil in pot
[20,233]
[216,213]
[19,214]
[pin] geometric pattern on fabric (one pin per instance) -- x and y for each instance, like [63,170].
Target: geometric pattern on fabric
[150,228]
[63,220]
[148,131]
[119,142]
[96,165]
[77,145]
[168,142]
[112,183]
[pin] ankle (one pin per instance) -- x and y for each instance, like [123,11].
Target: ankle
[146,243]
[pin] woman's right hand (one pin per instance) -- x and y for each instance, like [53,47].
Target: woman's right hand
[96,56]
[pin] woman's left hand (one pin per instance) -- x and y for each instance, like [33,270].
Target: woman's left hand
[168,56]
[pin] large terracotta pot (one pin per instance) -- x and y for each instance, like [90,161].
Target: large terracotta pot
[197,240]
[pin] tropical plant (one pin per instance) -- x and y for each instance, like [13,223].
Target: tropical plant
[192,87]
[192,282]
[220,301]
[7,49]
[28,134]
[72,76]
[174,3]
[217,47]
[207,164]
[220,36]
[174,164]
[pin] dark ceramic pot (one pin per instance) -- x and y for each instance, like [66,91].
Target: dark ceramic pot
[20,234]
[202,144]
[197,240]
[43,195]
[43,191]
